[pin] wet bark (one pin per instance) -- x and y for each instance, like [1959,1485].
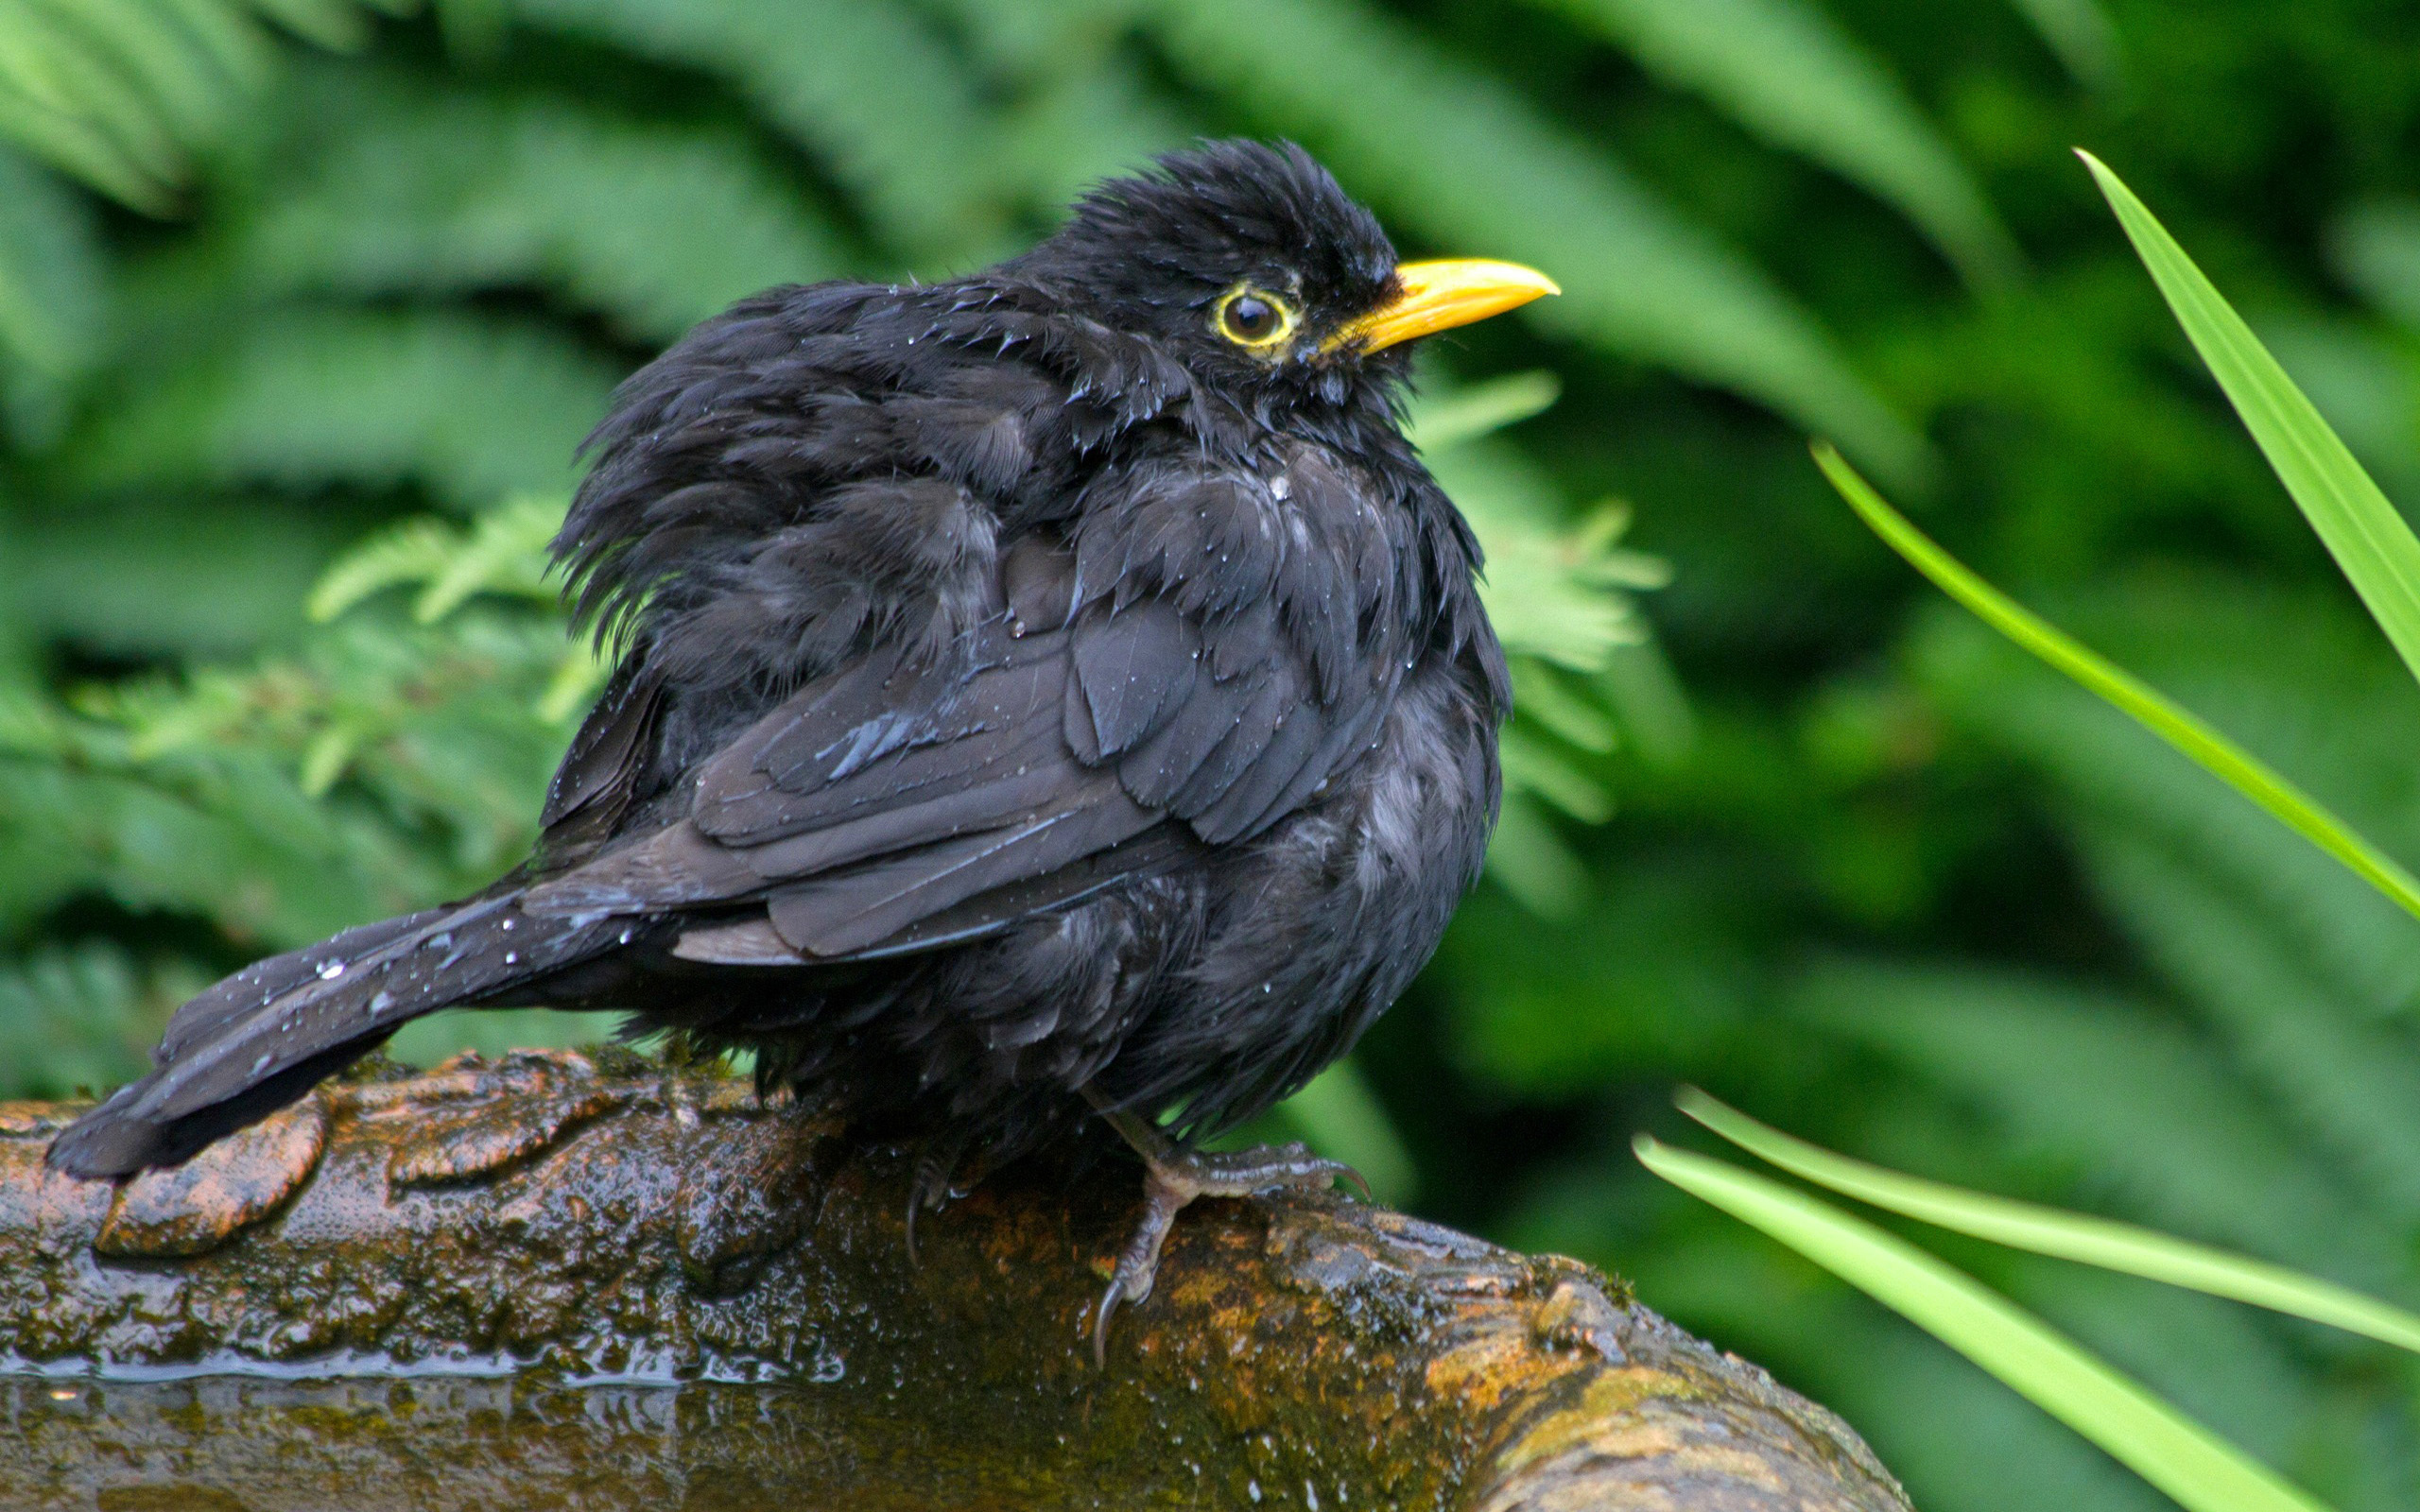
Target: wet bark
[548,1282]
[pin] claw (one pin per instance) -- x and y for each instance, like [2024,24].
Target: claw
[929,1191]
[1138,1267]
[1172,1180]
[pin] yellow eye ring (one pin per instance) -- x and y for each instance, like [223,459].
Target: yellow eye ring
[1252,317]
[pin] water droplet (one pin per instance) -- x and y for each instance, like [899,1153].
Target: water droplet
[332,970]
[513,957]
[261,1062]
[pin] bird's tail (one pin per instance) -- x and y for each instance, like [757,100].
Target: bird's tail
[268,1034]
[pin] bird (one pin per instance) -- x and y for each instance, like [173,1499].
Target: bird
[1053,694]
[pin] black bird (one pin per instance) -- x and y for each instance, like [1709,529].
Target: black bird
[1053,691]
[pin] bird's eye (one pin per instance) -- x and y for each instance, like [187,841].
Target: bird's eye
[1252,318]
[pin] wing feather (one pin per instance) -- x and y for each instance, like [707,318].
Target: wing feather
[1102,722]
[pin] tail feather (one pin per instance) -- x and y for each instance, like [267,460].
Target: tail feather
[266,1036]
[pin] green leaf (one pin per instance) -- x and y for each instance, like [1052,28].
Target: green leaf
[2080,32]
[2374,246]
[1795,79]
[2102,1242]
[1341,1117]
[1482,409]
[2197,1469]
[2233,764]
[2377,551]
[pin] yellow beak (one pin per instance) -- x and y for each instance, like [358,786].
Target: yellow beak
[1439,296]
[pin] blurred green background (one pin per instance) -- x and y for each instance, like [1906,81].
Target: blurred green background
[291,284]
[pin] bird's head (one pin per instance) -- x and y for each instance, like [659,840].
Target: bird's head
[1250,263]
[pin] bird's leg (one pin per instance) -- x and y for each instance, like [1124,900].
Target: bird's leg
[931,1189]
[1174,1176]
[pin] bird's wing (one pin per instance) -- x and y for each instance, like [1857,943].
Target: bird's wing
[1078,739]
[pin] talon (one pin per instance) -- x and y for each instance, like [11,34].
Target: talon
[1172,1178]
[929,1191]
[1100,1320]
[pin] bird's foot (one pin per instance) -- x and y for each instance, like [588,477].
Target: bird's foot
[1173,1178]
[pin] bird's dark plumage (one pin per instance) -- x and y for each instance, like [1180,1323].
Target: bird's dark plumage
[1040,687]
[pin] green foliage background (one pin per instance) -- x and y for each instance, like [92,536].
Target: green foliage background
[286,284]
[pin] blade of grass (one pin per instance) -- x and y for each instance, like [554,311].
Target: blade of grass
[2193,1466]
[2246,773]
[2369,540]
[2102,1242]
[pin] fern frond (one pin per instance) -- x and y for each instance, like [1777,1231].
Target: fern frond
[52,288]
[1787,72]
[1464,160]
[2375,247]
[2302,682]
[2349,1077]
[121,94]
[1558,596]
[503,551]
[76,1016]
[2101,1082]
[472,410]
[131,577]
[379,770]
[2082,35]
[865,85]
[438,193]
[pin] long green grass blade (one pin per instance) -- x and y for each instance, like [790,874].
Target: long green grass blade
[2028,1225]
[2377,551]
[2246,773]
[2199,1469]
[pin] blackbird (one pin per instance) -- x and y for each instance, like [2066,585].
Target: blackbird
[1054,692]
